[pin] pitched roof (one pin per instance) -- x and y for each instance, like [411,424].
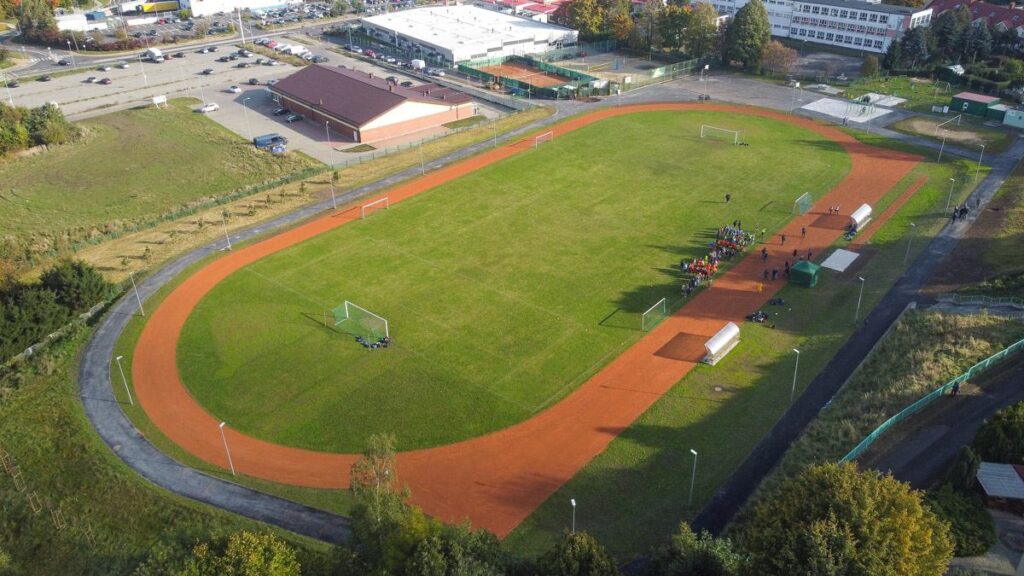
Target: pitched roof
[1011,16]
[979,98]
[358,97]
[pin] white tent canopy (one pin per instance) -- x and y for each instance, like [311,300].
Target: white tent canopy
[860,217]
[721,343]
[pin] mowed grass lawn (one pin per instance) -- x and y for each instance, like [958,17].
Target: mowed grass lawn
[505,289]
[131,166]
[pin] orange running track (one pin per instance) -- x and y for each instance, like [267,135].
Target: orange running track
[498,479]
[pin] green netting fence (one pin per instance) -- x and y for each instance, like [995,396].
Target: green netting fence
[931,397]
[576,79]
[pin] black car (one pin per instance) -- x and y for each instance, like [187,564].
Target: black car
[13,84]
[179,54]
[207,72]
[63,62]
[213,48]
[223,59]
[406,84]
[294,118]
[232,57]
[282,112]
[242,65]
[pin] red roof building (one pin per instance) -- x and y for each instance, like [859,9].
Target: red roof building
[361,107]
[1010,17]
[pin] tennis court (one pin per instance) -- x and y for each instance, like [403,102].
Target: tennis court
[527,74]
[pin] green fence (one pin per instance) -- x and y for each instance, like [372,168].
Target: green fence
[931,397]
[981,300]
[525,88]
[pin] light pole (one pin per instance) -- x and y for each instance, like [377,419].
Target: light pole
[856,314]
[72,54]
[124,380]
[944,134]
[135,288]
[226,237]
[949,199]
[10,99]
[792,390]
[143,68]
[327,129]
[245,112]
[494,129]
[693,477]
[705,74]
[231,463]
[573,502]
[910,238]
[423,168]
[978,170]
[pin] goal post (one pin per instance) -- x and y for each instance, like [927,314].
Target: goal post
[714,132]
[653,315]
[372,206]
[542,138]
[802,205]
[359,321]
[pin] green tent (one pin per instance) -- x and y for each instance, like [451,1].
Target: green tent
[805,273]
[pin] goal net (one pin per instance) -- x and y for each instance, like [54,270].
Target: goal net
[653,315]
[359,321]
[366,209]
[802,205]
[715,133]
[542,138]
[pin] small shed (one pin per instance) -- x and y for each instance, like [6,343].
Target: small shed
[1014,118]
[860,217]
[721,343]
[1001,480]
[997,112]
[805,273]
[971,103]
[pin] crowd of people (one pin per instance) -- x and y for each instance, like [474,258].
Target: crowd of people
[382,342]
[729,241]
[960,212]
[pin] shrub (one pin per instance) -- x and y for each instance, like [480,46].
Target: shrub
[1001,439]
[972,527]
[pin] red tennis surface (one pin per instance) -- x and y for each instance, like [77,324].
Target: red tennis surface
[529,74]
[498,479]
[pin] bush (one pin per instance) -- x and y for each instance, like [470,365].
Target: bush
[577,554]
[78,286]
[690,555]
[1001,439]
[972,527]
[964,470]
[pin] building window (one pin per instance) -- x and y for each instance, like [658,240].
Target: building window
[848,40]
[863,15]
[821,35]
[878,44]
[843,13]
[857,41]
[803,32]
[874,18]
[835,12]
[815,10]
[883,19]
[829,36]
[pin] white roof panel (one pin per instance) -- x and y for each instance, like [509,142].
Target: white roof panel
[1001,481]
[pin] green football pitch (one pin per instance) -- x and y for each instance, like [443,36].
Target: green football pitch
[505,290]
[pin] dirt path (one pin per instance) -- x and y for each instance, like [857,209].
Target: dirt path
[496,480]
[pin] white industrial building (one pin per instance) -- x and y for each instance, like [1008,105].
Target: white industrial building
[208,7]
[856,24]
[461,33]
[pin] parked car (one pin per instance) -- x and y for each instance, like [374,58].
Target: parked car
[234,89]
[106,81]
[63,62]
[13,84]
[122,65]
[203,50]
[294,118]
[272,81]
[254,81]
[370,53]
[209,107]
[179,54]
[207,72]
[92,80]
[104,68]
[242,65]
[356,49]
[318,59]
[390,60]
[232,57]
[213,48]
[281,112]
[407,84]
[272,63]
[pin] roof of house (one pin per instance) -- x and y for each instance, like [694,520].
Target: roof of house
[1011,16]
[358,97]
[1001,480]
[979,98]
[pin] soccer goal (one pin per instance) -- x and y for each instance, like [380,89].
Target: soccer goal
[803,204]
[359,321]
[542,138]
[372,206]
[716,133]
[653,315]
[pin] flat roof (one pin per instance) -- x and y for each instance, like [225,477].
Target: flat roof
[865,6]
[980,98]
[462,28]
[1001,480]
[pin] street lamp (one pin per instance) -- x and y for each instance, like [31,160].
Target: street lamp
[143,69]
[245,112]
[856,314]
[910,238]
[72,54]
[10,99]
[944,134]
[949,199]
[792,390]
[231,463]
[693,477]
[573,502]
[135,288]
[124,380]
[978,170]
[327,129]
[705,74]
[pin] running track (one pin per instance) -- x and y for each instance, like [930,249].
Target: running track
[498,479]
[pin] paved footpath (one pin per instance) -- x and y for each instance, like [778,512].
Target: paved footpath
[110,422]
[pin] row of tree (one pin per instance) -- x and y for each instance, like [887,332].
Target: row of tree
[30,311]
[21,127]
[830,520]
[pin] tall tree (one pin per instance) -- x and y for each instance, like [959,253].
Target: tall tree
[587,16]
[379,510]
[701,37]
[691,555]
[778,59]
[246,554]
[748,34]
[833,519]
[946,30]
[869,67]
[648,26]
[578,554]
[620,23]
[35,16]
[893,58]
[915,47]
[672,21]
[977,41]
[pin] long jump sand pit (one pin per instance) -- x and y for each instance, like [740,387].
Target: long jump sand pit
[528,74]
[498,479]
